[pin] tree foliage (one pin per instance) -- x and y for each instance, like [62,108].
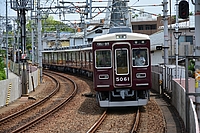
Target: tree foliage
[50,25]
[2,66]
[191,65]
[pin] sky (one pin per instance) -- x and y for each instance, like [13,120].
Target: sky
[142,4]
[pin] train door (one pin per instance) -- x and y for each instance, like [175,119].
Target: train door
[122,74]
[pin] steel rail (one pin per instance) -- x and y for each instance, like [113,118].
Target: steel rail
[45,115]
[21,112]
[98,123]
[136,123]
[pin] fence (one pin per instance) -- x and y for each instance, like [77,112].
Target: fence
[175,87]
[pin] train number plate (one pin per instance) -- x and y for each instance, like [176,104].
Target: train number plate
[122,79]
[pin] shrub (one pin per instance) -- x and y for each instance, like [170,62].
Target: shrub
[2,71]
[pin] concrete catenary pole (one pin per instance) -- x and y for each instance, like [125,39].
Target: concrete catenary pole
[32,39]
[6,39]
[197,53]
[176,36]
[39,40]
[23,46]
[165,20]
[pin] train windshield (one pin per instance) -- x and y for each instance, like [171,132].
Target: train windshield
[140,57]
[122,61]
[103,58]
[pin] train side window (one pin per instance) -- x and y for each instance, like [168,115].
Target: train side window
[140,57]
[103,58]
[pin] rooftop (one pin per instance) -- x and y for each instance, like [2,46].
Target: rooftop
[182,25]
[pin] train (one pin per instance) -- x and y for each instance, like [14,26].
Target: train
[119,62]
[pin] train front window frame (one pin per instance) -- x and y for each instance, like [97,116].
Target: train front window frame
[103,58]
[140,57]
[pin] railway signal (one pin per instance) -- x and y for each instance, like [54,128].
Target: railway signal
[183,9]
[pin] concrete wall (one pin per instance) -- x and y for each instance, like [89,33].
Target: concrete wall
[178,101]
[193,120]
[15,89]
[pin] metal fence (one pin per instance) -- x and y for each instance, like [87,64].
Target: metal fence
[167,74]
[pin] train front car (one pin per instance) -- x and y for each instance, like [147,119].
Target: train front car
[122,69]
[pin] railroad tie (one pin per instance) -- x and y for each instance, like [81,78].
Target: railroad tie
[8,94]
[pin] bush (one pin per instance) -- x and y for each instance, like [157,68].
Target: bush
[2,75]
[191,65]
[2,71]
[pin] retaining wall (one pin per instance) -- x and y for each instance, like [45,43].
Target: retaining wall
[178,101]
[15,90]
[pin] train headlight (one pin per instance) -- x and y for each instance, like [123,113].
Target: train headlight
[140,42]
[136,42]
[120,36]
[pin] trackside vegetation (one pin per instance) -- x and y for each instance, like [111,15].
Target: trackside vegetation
[2,65]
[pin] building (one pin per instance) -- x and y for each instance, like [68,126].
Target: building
[186,28]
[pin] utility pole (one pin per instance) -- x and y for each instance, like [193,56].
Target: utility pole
[6,39]
[39,40]
[177,34]
[176,31]
[32,39]
[165,19]
[197,53]
[22,6]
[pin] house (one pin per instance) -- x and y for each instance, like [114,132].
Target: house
[53,40]
[157,41]
[148,24]
[186,38]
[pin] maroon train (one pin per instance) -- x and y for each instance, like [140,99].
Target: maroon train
[120,64]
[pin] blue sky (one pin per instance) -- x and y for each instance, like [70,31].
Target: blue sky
[150,9]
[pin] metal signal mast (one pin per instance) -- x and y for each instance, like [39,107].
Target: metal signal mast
[22,6]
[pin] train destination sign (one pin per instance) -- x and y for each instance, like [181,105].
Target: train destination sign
[102,44]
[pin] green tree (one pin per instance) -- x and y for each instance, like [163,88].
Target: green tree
[50,25]
[191,68]
[191,65]
[2,71]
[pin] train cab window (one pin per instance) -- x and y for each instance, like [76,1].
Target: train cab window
[140,57]
[103,58]
[121,56]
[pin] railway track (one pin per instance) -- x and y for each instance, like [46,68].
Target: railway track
[21,112]
[98,123]
[136,122]
[82,112]
[37,118]
[101,119]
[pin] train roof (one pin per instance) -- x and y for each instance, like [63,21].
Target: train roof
[129,36]
[68,49]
